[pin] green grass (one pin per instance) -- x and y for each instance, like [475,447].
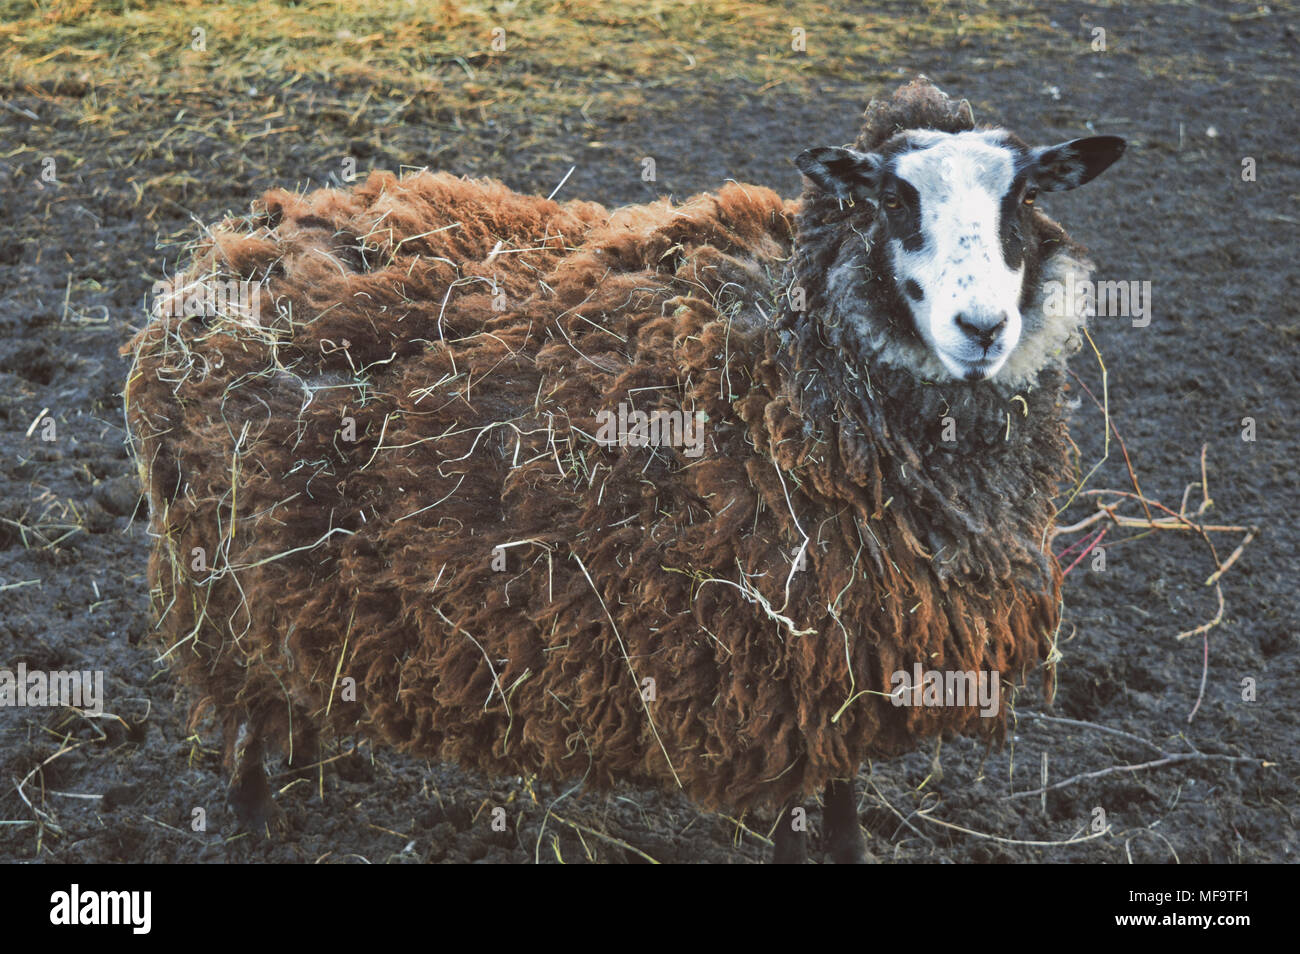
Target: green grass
[562,51]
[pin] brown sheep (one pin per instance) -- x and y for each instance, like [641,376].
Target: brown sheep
[389,500]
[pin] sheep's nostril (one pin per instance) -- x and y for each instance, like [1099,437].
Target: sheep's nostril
[985,332]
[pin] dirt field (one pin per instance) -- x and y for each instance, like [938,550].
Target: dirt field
[119,139]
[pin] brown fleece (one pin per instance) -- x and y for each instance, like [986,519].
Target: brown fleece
[647,626]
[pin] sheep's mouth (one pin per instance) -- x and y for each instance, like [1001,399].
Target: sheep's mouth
[972,369]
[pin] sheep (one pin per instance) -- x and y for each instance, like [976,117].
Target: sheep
[390,495]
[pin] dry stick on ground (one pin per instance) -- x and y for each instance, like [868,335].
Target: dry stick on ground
[604,837]
[1074,839]
[903,820]
[44,819]
[1154,763]
[1166,757]
[1180,520]
[1109,422]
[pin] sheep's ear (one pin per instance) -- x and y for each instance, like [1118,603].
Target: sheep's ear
[1069,165]
[843,173]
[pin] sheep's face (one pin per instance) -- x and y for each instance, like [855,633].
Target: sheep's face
[951,231]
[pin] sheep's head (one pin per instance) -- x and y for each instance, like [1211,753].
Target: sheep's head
[943,252]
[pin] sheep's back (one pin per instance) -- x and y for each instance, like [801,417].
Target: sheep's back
[381,506]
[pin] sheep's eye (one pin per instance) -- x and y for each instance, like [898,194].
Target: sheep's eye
[891,201]
[1030,196]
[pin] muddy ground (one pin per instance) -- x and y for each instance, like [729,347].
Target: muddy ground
[1194,90]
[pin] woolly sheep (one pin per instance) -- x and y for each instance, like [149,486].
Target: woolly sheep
[390,496]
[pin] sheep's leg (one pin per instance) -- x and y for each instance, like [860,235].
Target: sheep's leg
[249,793]
[844,840]
[790,840]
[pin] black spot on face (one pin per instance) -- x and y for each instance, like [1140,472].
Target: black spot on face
[1021,226]
[885,289]
[913,290]
[1014,215]
[903,222]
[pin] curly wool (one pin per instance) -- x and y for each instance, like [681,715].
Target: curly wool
[512,595]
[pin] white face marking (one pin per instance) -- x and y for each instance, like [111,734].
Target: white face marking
[969,312]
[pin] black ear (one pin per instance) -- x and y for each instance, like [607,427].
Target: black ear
[1069,165]
[843,173]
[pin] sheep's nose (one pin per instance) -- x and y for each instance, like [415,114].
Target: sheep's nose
[983,329]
